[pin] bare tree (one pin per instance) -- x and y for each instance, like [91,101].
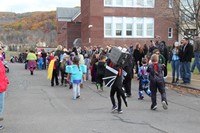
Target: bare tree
[186,16]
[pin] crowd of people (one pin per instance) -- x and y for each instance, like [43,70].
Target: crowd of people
[147,62]
[96,58]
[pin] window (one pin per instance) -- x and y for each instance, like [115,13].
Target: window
[108,2]
[108,29]
[130,3]
[171,3]
[139,28]
[150,30]
[170,32]
[140,3]
[119,2]
[150,3]
[118,29]
[129,28]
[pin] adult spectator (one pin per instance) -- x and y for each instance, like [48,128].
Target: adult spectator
[196,49]
[186,60]
[138,54]
[161,45]
[175,62]
[44,57]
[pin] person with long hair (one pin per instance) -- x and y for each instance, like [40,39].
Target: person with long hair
[138,54]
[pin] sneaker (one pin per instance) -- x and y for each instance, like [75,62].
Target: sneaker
[120,111]
[141,98]
[1,127]
[78,96]
[113,109]
[153,107]
[164,104]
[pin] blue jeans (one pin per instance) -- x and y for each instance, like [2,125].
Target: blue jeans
[175,68]
[186,72]
[196,61]
[2,102]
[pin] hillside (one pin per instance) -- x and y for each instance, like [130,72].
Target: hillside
[34,21]
[28,28]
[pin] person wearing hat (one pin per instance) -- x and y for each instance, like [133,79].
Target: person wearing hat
[175,62]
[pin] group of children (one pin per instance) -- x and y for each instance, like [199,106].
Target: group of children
[150,78]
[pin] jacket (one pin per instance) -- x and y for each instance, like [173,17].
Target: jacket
[3,78]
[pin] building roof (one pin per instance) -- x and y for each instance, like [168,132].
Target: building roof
[67,14]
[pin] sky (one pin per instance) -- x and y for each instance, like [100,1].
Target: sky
[22,6]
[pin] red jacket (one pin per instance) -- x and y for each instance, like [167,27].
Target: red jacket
[3,78]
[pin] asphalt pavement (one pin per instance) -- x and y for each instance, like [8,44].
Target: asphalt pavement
[33,106]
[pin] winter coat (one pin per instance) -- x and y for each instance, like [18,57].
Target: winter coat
[3,78]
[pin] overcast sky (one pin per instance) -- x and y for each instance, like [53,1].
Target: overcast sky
[21,6]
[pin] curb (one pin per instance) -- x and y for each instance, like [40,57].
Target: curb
[184,86]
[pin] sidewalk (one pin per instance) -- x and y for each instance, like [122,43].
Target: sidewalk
[195,82]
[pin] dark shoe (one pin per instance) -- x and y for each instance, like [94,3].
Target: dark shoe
[52,85]
[128,95]
[141,98]
[164,104]
[31,72]
[1,118]
[113,109]
[153,107]
[177,80]
[57,84]
[1,127]
[119,111]
[70,86]
[78,96]
[173,80]
[81,85]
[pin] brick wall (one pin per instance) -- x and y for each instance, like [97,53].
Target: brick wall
[93,12]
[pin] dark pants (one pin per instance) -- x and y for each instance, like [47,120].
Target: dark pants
[99,79]
[157,84]
[54,76]
[63,75]
[112,94]
[127,85]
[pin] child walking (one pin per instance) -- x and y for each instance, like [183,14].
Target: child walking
[76,73]
[157,82]
[143,77]
[63,65]
[100,65]
[117,89]
[53,70]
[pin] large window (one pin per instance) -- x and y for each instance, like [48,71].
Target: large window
[130,3]
[128,27]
